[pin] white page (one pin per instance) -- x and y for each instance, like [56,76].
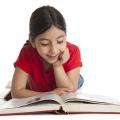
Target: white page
[85,97]
[99,98]
[13,103]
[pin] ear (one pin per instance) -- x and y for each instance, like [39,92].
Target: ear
[31,41]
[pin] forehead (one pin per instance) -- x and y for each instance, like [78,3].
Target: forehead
[51,33]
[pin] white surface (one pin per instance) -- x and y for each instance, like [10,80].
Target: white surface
[94,25]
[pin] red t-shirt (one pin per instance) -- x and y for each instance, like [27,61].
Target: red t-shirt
[31,62]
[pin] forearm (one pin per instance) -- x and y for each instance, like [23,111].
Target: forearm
[62,80]
[25,93]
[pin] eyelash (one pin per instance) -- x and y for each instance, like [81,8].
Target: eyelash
[59,42]
[44,44]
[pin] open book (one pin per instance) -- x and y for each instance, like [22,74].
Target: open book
[69,103]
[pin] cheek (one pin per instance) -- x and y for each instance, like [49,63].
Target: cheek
[42,51]
[63,47]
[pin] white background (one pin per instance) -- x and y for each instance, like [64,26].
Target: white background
[93,25]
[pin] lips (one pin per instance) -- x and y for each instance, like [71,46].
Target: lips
[52,56]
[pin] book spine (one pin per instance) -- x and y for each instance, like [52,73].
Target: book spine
[61,111]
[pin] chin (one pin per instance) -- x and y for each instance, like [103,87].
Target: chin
[51,62]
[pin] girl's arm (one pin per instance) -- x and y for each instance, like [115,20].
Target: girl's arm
[70,79]
[19,83]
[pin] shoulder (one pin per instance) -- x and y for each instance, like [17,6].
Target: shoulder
[75,57]
[25,58]
[72,48]
[27,48]
[27,51]
[28,54]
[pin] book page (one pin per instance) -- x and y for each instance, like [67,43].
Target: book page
[13,103]
[77,107]
[69,96]
[42,107]
[89,98]
[98,98]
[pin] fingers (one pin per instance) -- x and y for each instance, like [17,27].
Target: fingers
[61,91]
[66,89]
[61,55]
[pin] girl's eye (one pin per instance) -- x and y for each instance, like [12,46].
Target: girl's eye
[60,42]
[44,44]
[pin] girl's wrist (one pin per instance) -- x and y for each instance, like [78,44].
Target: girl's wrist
[57,66]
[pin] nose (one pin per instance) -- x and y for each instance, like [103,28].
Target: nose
[53,50]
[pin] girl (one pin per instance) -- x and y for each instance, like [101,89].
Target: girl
[47,62]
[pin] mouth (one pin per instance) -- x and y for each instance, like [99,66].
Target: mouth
[52,56]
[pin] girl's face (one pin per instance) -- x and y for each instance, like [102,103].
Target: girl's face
[50,44]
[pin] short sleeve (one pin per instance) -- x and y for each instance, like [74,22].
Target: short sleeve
[74,60]
[23,60]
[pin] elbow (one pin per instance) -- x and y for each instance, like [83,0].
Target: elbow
[16,93]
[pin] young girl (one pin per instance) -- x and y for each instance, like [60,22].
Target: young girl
[47,62]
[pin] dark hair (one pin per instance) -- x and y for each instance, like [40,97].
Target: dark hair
[43,18]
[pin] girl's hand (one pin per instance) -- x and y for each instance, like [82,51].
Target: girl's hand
[61,91]
[63,58]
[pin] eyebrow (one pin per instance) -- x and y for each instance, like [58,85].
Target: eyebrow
[41,39]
